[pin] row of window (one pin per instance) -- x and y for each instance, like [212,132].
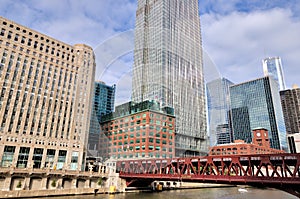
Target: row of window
[140,155]
[31,34]
[23,157]
[33,100]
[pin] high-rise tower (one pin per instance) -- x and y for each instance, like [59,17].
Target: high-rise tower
[218,109]
[272,67]
[168,67]
[256,104]
[103,103]
[290,101]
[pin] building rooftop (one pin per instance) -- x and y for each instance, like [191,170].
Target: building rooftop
[132,108]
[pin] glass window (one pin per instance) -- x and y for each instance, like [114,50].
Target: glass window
[8,156]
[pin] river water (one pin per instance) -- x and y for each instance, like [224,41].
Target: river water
[211,193]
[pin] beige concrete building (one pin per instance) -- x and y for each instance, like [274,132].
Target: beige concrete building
[45,99]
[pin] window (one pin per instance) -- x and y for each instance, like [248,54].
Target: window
[23,157]
[8,156]
[9,35]
[37,157]
[2,32]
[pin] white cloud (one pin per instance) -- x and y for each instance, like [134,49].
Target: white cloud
[237,34]
[239,41]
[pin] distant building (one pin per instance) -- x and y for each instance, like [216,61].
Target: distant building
[139,130]
[218,108]
[256,104]
[272,66]
[290,100]
[294,142]
[46,91]
[103,103]
[260,145]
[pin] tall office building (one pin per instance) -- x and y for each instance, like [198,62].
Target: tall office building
[256,104]
[103,103]
[45,101]
[218,108]
[272,66]
[290,100]
[168,67]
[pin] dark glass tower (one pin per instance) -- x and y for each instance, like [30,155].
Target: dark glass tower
[256,104]
[103,103]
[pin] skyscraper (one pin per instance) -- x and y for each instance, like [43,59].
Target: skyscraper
[103,103]
[45,101]
[218,108]
[168,67]
[272,67]
[290,100]
[256,104]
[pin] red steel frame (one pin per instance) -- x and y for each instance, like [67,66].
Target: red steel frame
[280,171]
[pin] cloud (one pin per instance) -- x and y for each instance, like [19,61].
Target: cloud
[237,42]
[76,21]
[237,34]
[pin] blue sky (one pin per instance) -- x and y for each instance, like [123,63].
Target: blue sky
[236,34]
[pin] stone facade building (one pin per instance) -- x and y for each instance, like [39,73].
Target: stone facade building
[45,99]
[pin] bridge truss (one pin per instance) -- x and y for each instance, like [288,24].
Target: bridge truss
[281,171]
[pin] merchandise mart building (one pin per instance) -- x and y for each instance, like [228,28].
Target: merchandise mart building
[45,100]
[168,68]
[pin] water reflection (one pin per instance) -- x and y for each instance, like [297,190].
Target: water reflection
[212,193]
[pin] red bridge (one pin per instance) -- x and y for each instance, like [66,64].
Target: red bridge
[281,171]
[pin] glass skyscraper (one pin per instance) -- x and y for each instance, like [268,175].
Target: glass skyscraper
[272,67]
[103,103]
[168,67]
[218,108]
[256,104]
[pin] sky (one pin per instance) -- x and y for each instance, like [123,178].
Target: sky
[236,34]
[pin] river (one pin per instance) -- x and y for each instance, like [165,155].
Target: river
[211,193]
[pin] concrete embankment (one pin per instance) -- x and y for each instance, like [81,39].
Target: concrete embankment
[53,192]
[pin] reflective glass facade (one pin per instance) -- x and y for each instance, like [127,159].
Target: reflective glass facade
[273,67]
[256,104]
[103,103]
[168,67]
[218,108]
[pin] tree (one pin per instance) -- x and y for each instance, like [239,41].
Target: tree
[19,185]
[53,183]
